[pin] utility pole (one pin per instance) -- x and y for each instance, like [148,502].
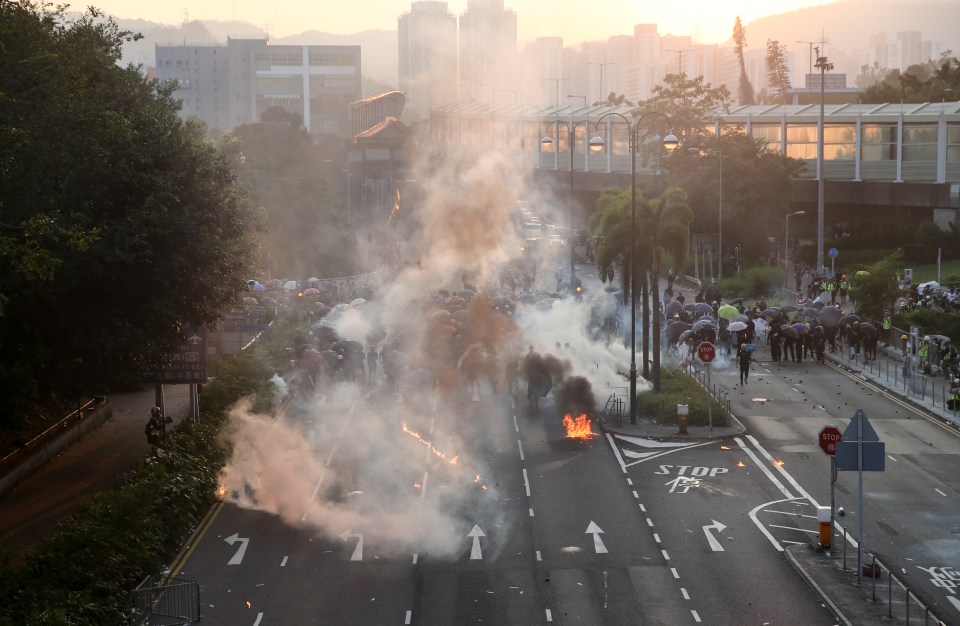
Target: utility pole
[680,59]
[823,66]
[601,96]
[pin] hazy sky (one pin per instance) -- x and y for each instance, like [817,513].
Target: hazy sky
[708,21]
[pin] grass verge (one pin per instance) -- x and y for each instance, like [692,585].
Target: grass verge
[679,388]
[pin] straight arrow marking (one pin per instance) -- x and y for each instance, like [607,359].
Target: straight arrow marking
[595,530]
[714,544]
[476,533]
[358,551]
[238,556]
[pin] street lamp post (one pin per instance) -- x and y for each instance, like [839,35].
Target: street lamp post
[786,249]
[546,142]
[597,144]
[823,66]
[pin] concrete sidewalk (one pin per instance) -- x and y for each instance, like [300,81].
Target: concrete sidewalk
[31,511]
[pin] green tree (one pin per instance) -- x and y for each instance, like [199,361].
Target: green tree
[687,102]
[932,81]
[757,190]
[133,221]
[778,71]
[875,288]
[744,88]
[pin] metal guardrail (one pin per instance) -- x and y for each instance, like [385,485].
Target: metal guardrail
[73,420]
[162,601]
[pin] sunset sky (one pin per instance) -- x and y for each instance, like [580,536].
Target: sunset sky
[708,21]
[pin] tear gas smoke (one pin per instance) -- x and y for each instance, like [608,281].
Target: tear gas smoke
[336,461]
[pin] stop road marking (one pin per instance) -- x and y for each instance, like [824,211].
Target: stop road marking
[698,472]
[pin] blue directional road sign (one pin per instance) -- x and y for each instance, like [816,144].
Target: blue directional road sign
[861,448]
[832,253]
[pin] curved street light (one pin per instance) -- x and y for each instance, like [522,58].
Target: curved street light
[547,142]
[670,142]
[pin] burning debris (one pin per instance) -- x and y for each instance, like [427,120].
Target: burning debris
[418,437]
[578,428]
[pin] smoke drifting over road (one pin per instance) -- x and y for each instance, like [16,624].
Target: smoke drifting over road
[401,463]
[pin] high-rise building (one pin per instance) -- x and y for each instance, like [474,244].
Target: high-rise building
[427,38]
[542,60]
[488,50]
[226,86]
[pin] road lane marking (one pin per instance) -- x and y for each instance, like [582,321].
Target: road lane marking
[763,466]
[630,482]
[423,485]
[643,508]
[539,558]
[784,472]
[891,458]
[531,511]
[475,552]
[673,571]
[696,616]
[616,451]
[520,445]
[683,590]
[800,530]
[549,616]
[763,529]
[792,514]
[516,426]
[257,621]
[656,537]
[526,482]
[715,544]
[649,522]
[409,616]
[415,555]
[666,557]
[283,563]
[598,545]
[940,492]
[636,495]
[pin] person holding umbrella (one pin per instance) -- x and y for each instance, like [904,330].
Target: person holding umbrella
[743,360]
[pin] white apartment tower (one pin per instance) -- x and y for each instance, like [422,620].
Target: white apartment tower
[427,37]
[488,50]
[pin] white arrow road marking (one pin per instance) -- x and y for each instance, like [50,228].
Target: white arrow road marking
[714,544]
[238,557]
[955,602]
[476,533]
[358,551]
[595,530]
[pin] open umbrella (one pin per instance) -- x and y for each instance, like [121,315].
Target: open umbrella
[846,320]
[357,302]
[736,326]
[830,316]
[690,307]
[675,329]
[869,330]
[789,331]
[466,293]
[684,336]
[810,312]
[788,308]
[704,323]
[311,291]
[863,273]
[702,307]
[728,312]
[769,313]
[258,287]
[250,301]
[673,308]
[290,285]
[801,328]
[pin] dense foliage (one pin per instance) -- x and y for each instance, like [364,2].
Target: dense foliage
[932,81]
[118,224]
[875,289]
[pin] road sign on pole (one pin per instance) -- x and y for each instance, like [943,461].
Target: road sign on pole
[829,438]
[706,352]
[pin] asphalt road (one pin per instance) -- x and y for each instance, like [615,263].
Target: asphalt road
[911,510]
[527,527]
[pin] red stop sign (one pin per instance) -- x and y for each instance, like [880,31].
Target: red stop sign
[706,351]
[829,438]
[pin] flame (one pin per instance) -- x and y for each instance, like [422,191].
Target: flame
[442,455]
[249,604]
[725,447]
[778,463]
[741,464]
[221,491]
[578,428]
[417,485]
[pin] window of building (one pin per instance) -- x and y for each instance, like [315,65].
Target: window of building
[878,142]
[953,143]
[839,142]
[920,142]
[770,133]
[802,141]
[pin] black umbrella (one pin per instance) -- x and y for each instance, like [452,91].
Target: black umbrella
[769,313]
[789,331]
[787,308]
[846,320]
[818,304]
[704,324]
[829,316]
[702,307]
[673,308]
[689,307]
[675,329]
[869,330]
[810,312]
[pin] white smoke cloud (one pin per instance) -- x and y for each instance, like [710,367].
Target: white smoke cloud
[340,460]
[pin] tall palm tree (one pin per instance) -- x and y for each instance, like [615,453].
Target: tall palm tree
[663,222]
